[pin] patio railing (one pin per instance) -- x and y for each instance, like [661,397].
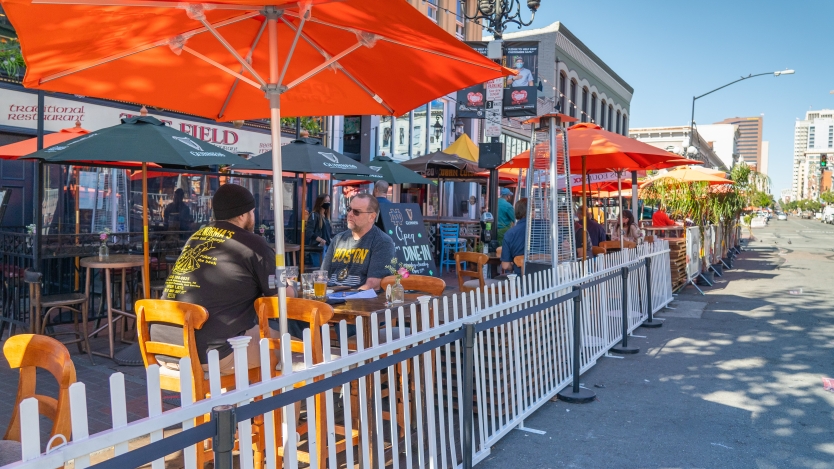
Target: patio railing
[465,371]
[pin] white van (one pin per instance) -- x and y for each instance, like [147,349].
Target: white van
[828,215]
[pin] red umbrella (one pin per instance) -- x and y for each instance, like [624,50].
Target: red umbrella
[15,150]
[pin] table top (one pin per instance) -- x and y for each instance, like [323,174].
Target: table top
[663,228]
[350,309]
[288,247]
[116,261]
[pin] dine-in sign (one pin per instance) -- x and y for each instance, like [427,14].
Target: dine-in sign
[404,224]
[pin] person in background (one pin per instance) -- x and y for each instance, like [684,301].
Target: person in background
[627,229]
[223,267]
[660,219]
[177,215]
[577,236]
[515,239]
[319,231]
[358,257]
[506,213]
[596,232]
[381,192]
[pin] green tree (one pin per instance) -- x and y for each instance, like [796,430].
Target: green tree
[827,197]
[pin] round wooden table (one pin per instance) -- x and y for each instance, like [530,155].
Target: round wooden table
[109,263]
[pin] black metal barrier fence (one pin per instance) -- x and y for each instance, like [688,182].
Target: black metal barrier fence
[222,426]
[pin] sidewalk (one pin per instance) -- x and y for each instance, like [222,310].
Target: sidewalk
[731,380]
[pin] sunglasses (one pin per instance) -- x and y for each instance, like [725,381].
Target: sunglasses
[356,212]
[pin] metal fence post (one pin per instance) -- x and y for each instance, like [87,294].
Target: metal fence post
[223,442]
[651,322]
[624,348]
[575,394]
[468,391]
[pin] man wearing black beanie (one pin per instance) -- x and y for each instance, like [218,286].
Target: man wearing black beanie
[223,267]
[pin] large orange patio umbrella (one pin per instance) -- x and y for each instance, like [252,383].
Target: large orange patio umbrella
[687,174]
[233,59]
[15,150]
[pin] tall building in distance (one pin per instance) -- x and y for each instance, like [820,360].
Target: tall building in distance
[812,137]
[749,140]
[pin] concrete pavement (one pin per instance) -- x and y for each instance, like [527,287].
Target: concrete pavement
[732,379]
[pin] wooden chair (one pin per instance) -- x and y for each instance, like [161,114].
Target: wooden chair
[519,262]
[75,302]
[477,276]
[598,250]
[315,313]
[422,283]
[30,352]
[649,239]
[189,317]
[616,244]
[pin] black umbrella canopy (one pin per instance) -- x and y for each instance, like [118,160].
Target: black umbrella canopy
[299,156]
[143,139]
[439,158]
[391,172]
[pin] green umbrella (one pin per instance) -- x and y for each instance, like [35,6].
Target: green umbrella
[299,156]
[142,139]
[391,172]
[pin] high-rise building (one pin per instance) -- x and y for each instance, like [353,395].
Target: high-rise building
[813,137]
[750,138]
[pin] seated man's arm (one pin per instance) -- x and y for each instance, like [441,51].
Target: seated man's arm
[381,256]
[506,254]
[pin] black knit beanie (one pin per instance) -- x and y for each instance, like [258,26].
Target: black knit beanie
[231,201]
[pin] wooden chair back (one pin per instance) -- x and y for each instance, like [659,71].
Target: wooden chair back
[316,313]
[479,259]
[422,283]
[519,262]
[598,250]
[189,317]
[649,239]
[30,352]
[616,244]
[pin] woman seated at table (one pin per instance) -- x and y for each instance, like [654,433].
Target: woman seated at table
[627,229]
[319,230]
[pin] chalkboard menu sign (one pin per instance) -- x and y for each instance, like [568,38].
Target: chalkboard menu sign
[404,224]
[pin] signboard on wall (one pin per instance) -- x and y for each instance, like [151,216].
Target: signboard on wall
[471,101]
[404,224]
[20,109]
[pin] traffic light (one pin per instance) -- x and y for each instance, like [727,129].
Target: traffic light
[823,161]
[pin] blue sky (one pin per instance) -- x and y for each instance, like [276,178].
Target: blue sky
[669,51]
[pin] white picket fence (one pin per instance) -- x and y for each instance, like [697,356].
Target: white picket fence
[518,366]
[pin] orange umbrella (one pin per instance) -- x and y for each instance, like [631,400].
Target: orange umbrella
[687,174]
[235,60]
[16,150]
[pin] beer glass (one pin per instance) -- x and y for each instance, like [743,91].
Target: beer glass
[320,284]
[307,285]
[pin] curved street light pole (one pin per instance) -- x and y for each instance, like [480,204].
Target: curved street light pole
[692,119]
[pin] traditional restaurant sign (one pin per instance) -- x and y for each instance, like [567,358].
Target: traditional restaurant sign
[404,224]
[19,108]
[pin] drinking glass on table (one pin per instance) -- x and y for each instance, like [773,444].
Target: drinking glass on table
[307,285]
[320,284]
[292,275]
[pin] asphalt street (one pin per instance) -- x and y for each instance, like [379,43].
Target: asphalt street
[733,379]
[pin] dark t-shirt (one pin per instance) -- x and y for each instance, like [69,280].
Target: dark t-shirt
[350,262]
[223,268]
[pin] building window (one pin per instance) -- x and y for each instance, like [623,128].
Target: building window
[830,136]
[594,107]
[811,133]
[602,115]
[584,104]
[459,30]
[618,122]
[562,93]
[610,117]
[432,10]
[625,125]
[572,98]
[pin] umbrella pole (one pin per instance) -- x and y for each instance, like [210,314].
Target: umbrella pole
[273,93]
[620,200]
[146,270]
[584,214]
[303,221]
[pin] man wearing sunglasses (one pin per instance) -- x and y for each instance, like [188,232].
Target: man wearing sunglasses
[358,257]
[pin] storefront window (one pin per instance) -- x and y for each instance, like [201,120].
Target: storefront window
[403,131]
[385,135]
[418,143]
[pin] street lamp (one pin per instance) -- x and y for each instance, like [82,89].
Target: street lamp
[438,129]
[498,14]
[692,119]
[458,127]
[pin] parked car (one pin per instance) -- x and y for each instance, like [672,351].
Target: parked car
[807,215]
[782,217]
